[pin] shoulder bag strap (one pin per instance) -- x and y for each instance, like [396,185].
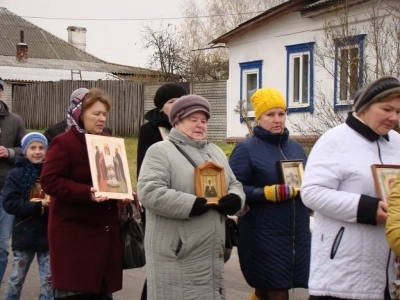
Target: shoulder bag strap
[185,154]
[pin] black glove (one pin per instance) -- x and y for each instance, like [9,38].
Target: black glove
[199,207]
[229,204]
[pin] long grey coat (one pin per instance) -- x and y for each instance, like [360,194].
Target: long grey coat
[184,255]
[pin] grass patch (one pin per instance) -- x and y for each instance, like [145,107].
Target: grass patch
[36,130]
[227,148]
[131,153]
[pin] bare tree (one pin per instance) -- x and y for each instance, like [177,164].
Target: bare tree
[167,55]
[381,27]
[244,117]
[208,20]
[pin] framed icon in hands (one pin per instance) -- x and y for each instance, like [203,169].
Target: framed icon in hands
[37,194]
[384,177]
[109,166]
[291,172]
[210,182]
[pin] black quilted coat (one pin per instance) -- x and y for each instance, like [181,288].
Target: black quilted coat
[274,241]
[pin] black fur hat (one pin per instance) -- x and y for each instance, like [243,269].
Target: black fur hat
[167,92]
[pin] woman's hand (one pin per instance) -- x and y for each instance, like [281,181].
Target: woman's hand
[381,212]
[45,203]
[229,204]
[98,198]
[128,200]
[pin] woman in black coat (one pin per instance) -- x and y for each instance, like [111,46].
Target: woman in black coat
[157,128]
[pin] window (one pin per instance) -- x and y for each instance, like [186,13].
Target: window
[349,54]
[250,81]
[300,74]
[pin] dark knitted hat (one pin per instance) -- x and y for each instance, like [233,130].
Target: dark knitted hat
[375,92]
[187,105]
[167,92]
[1,84]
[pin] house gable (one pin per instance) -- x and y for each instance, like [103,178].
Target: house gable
[288,44]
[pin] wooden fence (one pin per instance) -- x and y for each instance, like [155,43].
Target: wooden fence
[44,104]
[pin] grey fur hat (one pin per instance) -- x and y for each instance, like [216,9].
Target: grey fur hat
[187,105]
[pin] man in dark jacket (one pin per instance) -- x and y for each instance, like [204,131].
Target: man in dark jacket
[12,130]
[60,127]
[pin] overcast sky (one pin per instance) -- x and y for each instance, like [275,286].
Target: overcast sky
[114,41]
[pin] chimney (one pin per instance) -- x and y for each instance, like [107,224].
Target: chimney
[22,49]
[77,37]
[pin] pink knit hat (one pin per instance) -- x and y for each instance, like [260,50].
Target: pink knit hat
[187,105]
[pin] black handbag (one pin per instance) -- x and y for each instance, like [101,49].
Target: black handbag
[231,229]
[132,235]
[231,234]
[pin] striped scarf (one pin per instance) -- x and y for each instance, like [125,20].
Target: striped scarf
[74,113]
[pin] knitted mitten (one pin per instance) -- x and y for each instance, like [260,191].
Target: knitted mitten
[279,192]
[229,204]
[199,207]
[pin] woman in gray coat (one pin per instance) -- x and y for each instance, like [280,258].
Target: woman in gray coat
[185,236]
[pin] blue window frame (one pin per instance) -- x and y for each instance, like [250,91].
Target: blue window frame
[250,81]
[300,77]
[349,62]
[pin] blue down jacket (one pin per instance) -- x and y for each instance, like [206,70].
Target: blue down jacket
[274,241]
[30,226]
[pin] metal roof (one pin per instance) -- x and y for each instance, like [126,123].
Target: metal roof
[39,75]
[44,45]
[60,64]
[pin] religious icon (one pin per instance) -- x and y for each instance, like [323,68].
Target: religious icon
[37,194]
[109,166]
[291,172]
[384,177]
[210,182]
[210,190]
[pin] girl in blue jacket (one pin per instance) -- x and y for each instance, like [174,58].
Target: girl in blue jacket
[29,235]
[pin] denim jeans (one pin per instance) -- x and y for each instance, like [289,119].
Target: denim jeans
[22,262]
[6,226]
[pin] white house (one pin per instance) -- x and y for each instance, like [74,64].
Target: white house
[297,48]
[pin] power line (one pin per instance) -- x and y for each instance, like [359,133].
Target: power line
[144,19]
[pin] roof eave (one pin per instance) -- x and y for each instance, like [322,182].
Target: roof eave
[329,7]
[261,19]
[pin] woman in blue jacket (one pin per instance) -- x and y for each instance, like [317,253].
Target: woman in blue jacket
[274,241]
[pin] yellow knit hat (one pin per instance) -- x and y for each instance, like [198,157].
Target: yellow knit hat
[265,99]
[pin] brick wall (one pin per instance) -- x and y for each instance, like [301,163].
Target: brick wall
[149,90]
[215,93]
[7,95]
